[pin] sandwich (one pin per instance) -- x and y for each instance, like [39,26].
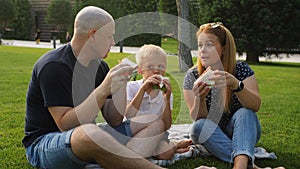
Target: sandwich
[129,62]
[205,77]
[133,65]
[161,86]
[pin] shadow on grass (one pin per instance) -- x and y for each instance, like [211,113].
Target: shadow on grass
[278,64]
[210,161]
[287,160]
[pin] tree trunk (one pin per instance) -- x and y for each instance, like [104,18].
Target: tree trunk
[252,57]
[184,36]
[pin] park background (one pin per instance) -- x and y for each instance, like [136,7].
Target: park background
[263,29]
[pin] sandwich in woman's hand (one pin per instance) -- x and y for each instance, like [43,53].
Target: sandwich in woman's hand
[205,77]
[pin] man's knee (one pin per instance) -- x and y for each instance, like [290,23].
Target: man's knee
[80,137]
[81,143]
[89,136]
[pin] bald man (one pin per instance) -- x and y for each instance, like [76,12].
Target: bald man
[68,88]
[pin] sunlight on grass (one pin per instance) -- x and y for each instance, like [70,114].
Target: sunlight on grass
[279,113]
[169,45]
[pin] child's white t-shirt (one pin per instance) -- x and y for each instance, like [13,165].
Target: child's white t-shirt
[148,105]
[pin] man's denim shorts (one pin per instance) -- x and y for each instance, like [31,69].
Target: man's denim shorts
[122,133]
[53,150]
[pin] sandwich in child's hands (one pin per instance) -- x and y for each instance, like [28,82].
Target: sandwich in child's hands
[205,77]
[161,86]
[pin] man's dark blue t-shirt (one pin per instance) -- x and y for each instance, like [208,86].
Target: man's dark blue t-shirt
[58,80]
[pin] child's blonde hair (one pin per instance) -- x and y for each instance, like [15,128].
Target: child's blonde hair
[149,50]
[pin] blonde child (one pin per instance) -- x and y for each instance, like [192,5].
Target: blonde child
[153,95]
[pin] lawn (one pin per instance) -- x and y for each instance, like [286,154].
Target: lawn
[279,114]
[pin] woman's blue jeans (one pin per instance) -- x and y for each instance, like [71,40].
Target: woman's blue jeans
[240,137]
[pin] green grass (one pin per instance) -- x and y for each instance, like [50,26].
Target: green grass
[279,114]
[169,45]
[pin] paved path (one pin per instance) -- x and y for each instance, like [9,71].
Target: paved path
[49,45]
[133,50]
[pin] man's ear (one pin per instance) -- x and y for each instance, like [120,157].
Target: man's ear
[91,33]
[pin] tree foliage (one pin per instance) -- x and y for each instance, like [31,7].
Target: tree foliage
[123,8]
[60,14]
[256,24]
[22,22]
[7,13]
[168,6]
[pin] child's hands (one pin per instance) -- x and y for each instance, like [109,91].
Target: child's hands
[151,81]
[168,87]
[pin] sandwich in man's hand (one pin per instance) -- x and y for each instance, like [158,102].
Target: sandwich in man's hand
[129,62]
[133,65]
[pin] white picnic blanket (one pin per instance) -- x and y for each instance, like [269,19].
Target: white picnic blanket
[180,132]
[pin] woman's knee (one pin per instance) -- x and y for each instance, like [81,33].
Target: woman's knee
[246,118]
[199,124]
[197,128]
[244,114]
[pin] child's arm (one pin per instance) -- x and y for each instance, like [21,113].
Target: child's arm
[134,105]
[167,113]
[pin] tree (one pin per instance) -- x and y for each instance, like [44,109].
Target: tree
[283,23]
[169,7]
[7,13]
[194,9]
[125,8]
[184,36]
[22,23]
[256,25]
[60,14]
